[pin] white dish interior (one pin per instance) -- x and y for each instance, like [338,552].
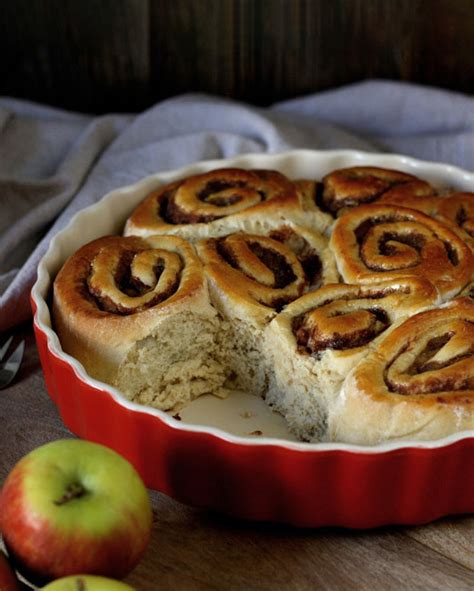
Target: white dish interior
[241,418]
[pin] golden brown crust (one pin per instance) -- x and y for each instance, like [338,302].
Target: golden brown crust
[401,247]
[210,197]
[315,342]
[418,384]
[456,210]
[256,275]
[111,292]
[376,242]
[343,317]
[346,188]
[425,203]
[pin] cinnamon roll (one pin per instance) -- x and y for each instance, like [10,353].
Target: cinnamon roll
[313,344]
[418,384]
[350,187]
[227,280]
[136,313]
[456,210]
[376,242]
[251,278]
[198,206]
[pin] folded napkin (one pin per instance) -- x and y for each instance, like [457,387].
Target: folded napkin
[54,163]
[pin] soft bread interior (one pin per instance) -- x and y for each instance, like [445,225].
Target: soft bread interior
[241,345]
[175,364]
[190,355]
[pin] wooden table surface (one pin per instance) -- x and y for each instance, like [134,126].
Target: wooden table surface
[195,549]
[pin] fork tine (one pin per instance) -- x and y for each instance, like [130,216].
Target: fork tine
[9,368]
[17,354]
[5,346]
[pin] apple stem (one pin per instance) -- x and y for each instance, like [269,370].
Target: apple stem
[73,491]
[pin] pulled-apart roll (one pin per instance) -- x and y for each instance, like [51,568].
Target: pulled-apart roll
[417,384]
[251,278]
[136,313]
[202,205]
[376,242]
[314,343]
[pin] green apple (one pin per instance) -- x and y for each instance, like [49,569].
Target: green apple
[87,583]
[72,506]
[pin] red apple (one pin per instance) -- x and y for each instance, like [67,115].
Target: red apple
[86,583]
[71,507]
[8,580]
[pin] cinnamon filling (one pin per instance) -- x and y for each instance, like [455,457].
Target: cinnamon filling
[452,254]
[363,229]
[213,187]
[371,189]
[282,271]
[171,213]
[415,241]
[308,257]
[127,283]
[423,362]
[132,287]
[432,383]
[461,217]
[312,341]
[322,202]
[284,274]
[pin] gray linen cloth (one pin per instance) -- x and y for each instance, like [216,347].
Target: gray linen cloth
[54,163]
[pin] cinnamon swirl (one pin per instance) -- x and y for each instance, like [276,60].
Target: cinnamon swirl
[314,343]
[350,187]
[251,278]
[200,205]
[135,312]
[456,210]
[376,242]
[417,384]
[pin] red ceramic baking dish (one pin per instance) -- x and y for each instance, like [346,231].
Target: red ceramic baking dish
[216,456]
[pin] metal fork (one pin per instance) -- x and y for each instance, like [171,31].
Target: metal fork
[9,367]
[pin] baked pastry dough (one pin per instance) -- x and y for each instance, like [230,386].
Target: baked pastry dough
[417,384]
[202,205]
[314,343]
[456,210]
[350,187]
[136,313]
[251,278]
[229,280]
[376,242]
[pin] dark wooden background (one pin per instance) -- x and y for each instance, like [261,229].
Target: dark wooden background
[124,55]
